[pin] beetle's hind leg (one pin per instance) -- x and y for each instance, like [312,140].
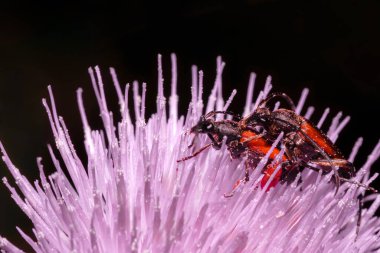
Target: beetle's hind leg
[346,170]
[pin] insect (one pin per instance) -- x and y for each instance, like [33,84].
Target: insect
[241,142]
[305,145]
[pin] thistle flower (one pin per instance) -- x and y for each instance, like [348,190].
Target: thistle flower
[132,196]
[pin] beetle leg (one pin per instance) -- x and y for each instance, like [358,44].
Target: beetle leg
[239,182]
[347,167]
[289,151]
[246,178]
[358,222]
[366,187]
[215,144]
[329,159]
[290,172]
[234,188]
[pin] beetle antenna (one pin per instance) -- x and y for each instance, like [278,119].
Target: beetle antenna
[195,153]
[213,113]
[273,95]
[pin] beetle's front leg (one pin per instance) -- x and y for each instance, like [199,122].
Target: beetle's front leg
[215,144]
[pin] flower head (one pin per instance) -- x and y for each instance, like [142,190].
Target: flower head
[132,195]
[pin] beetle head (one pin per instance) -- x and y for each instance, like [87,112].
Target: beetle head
[260,116]
[204,125]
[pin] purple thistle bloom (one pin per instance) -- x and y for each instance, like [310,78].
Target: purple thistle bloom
[133,196]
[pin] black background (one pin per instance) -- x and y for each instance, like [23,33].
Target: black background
[332,47]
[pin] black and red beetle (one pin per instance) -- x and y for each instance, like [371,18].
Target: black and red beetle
[305,145]
[252,136]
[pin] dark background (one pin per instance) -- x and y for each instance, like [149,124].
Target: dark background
[332,47]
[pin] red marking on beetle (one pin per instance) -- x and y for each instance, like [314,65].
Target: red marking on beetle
[261,147]
[305,145]
[320,139]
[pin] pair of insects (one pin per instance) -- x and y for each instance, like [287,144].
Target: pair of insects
[252,137]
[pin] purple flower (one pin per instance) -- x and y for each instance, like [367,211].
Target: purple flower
[132,195]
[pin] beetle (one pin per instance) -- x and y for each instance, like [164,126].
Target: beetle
[304,143]
[241,142]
